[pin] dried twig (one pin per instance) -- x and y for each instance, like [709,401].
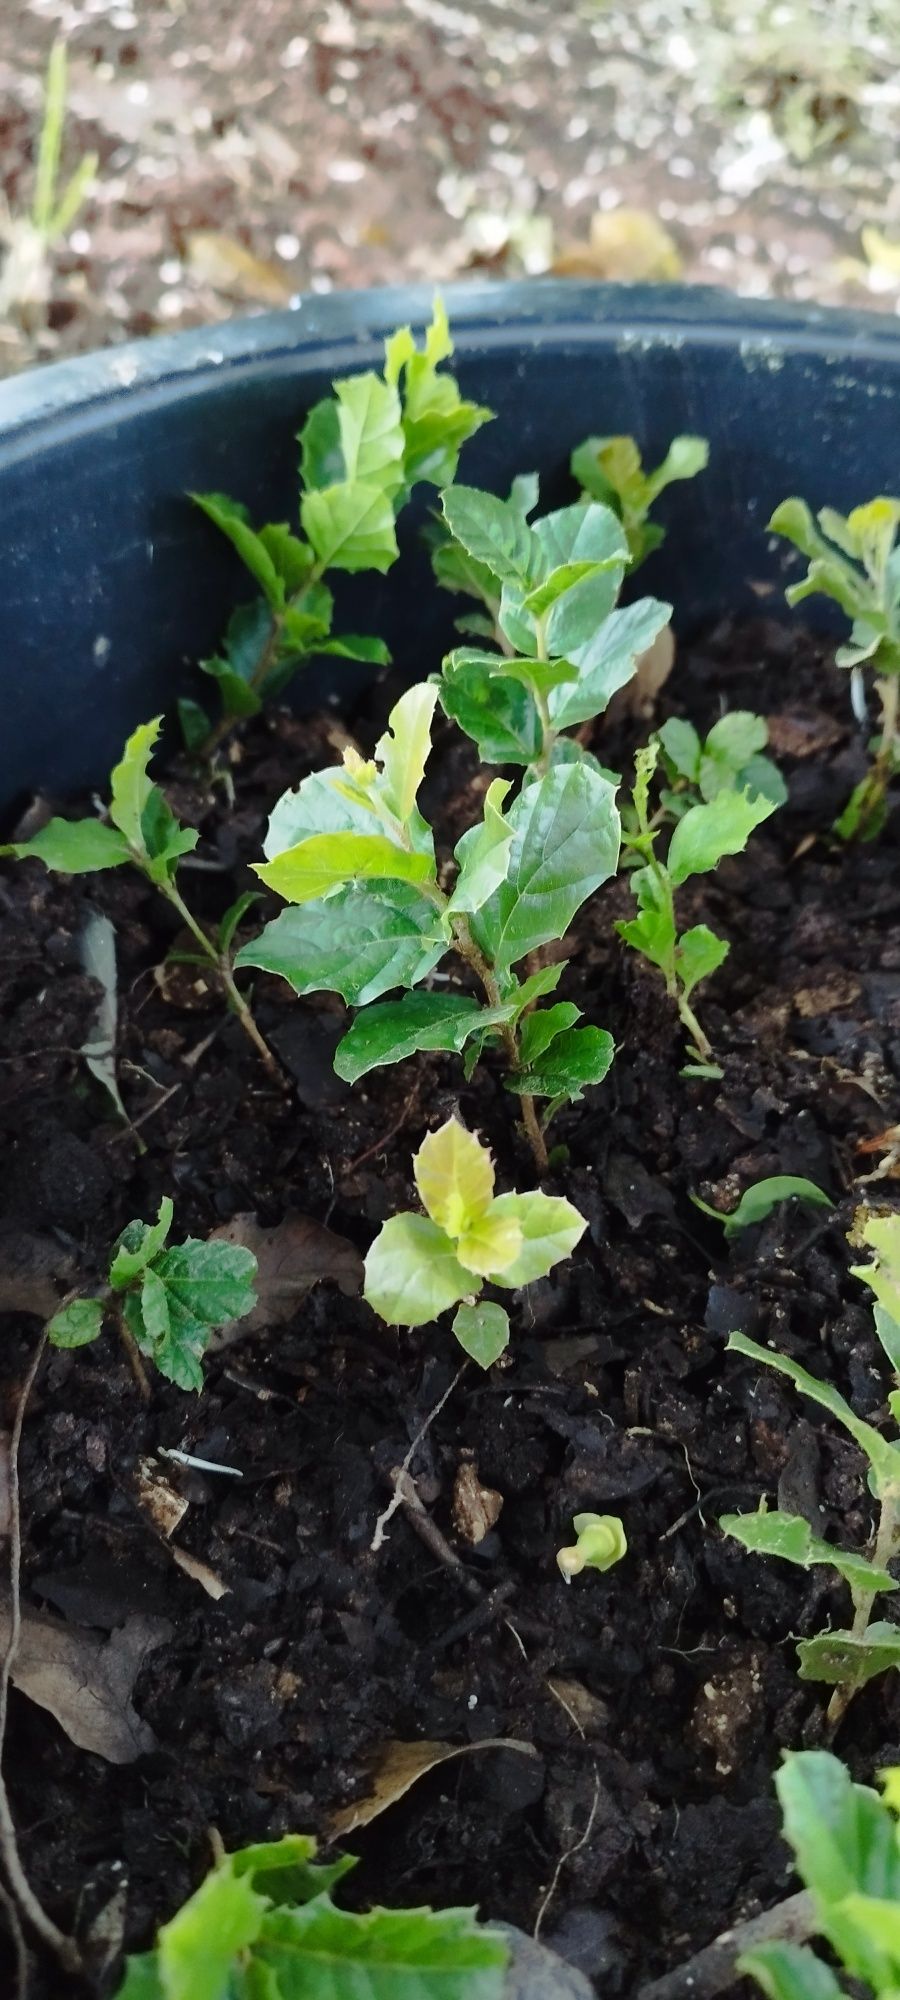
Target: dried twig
[399,1497]
[576,1847]
[64,1948]
[711,1970]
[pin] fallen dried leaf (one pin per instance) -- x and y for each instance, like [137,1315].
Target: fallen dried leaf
[86,1682]
[586,1710]
[834,990]
[158,1499]
[290,1259]
[624,243]
[652,670]
[201,1573]
[34,1272]
[399,1767]
[801,736]
[218,260]
[476,1508]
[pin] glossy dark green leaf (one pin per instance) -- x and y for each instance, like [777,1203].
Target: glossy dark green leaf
[321,457]
[362,943]
[233,520]
[607,661]
[576,1058]
[566,843]
[499,714]
[494,531]
[397,1029]
[356,646]
[350,527]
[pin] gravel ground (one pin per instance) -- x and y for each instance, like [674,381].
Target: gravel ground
[248,152]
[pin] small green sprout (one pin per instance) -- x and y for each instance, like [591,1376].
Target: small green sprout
[564,646]
[25,275]
[145,832]
[757,1202]
[729,760]
[845,1659]
[611,469]
[855,560]
[846,1843]
[421,1265]
[351,853]
[601,1542]
[700,840]
[166,1298]
[263,1922]
[362,450]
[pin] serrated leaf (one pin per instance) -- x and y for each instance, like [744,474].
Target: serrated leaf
[292,558]
[884,1458]
[881,1234]
[607,661]
[404,749]
[757,1202]
[576,1058]
[698,954]
[197,1950]
[454,1174]
[186,1291]
[482,855]
[535,987]
[550,1227]
[413,1273]
[320,804]
[361,943]
[371,432]
[709,832]
[138,1244]
[164,841]
[232,519]
[130,785]
[286,1870]
[566,833]
[498,713]
[327,861]
[381,1955]
[482,1331]
[355,646]
[350,527]
[321,456]
[490,1244]
[790,1972]
[735,738]
[843,1836]
[400,1028]
[580,533]
[76,1324]
[540,1029]
[681,747]
[73,847]
[791,1538]
[494,531]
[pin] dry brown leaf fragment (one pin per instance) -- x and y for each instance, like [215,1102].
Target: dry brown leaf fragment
[587,1711]
[201,1573]
[290,1259]
[398,1768]
[652,669]
[159,1499]
[834,989]
[629,244]
[476,1508]
[215,259]
[34,1271]
[87,1682]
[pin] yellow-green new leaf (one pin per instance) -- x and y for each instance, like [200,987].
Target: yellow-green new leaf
[550,1227]
[491,1244]
[331,860]
[881,1233]
[404,749]
[371,431]
[454,1174]
[350,527]
[483,853]
[413,1273]
[130,785]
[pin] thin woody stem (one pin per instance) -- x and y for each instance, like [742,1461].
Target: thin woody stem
[468,949]
[219,961]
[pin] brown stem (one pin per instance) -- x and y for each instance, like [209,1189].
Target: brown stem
[468,949]
[235,998]
[64,1948]
[133,1352]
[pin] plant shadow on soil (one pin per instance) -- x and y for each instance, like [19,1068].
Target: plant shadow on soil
[658,1696]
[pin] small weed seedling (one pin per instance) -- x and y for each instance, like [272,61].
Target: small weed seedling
[145,832]
[549,589]
[351,851]
[362,451]
[757,1202]
[421,1265]
[846,1843]
[700,840]
[611,469]
[846,1660]
[25,276]
[730,760]
[264,1923]
[166,1298]
[856,561]
[601,1542]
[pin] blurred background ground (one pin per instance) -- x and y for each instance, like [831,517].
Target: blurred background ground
[249,150]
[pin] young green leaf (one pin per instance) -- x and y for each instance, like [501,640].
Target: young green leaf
[399,1028]
[757,1202]
[709,832]
[130,785]
[791,1537]
[233,520]
[454,1174]
[482,855]
[790,1972]
[494,531]
[540,1029]
[76,1324]
[327,861]
[350,527]
[361,943]
[698,954]
[498,713]
[185,1291]
[606,661]
[884,1458]
[321,454]
[413,1273]
[574,1059]
[404,749]
[850,1659]
[73,847]
[550,1227]
[371,432]
[881,1233]
[138,1244]
[566,832]
[482,1331]
[681,748]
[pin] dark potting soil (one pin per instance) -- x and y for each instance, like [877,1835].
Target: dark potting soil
[655,1700]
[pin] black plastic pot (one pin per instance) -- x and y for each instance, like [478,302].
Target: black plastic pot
[111,584]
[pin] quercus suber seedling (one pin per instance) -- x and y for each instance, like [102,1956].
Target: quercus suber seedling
[758,1201]
[611,469]
[362,450]
[263,1923]
[166,1298]
[700,840]
[730,759]
[145,832]
[421,1265]
[845,1659]
[600,1543]
[564,647]
[855,560]
[350,850]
